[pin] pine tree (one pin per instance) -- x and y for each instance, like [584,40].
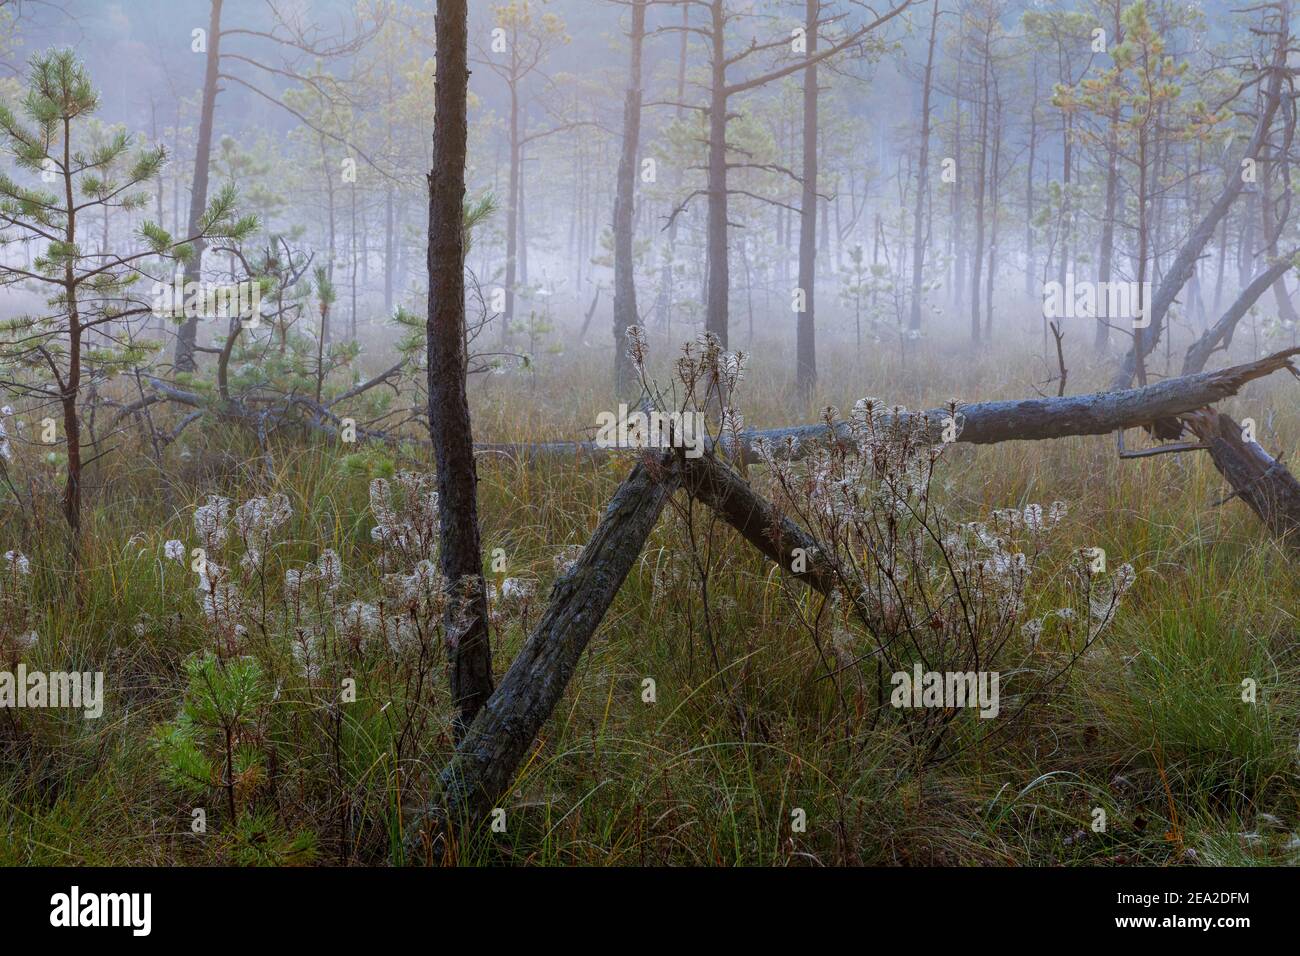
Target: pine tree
[88,333]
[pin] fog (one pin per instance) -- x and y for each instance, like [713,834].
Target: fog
[649,432]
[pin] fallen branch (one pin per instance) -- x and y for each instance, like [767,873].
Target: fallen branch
[1060,359]
[321,416]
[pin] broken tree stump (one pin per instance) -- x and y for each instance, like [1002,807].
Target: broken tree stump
[1256,477]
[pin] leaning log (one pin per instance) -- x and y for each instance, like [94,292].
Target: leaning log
[495,744]
[484,765]
[758,521]
[1219,336]
[1263,482]
[773,534]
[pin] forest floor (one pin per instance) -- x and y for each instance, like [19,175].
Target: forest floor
[745,729]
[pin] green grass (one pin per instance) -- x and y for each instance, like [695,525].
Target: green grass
[1150,727]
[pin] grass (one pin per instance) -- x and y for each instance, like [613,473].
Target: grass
[725,763]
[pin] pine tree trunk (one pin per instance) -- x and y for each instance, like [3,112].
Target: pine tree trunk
[512,211]
[187,338]
[719,275]
[468,651]
[625,308]
[922,184]
[806,330]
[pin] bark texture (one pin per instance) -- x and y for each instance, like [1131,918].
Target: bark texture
[469,655]
[1257,478]
[501,735]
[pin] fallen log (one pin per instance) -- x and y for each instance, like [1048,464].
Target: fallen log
[1263,482]
[986,423]
[1256,477]
[981,423]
